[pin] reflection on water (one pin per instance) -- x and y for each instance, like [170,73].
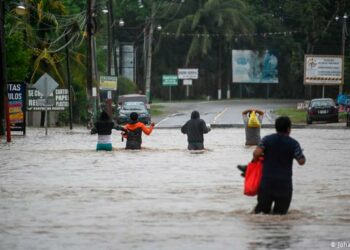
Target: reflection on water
[57,192]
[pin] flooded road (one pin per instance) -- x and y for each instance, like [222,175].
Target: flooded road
[57,192]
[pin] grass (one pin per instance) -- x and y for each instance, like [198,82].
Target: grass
[299,115]
[296,115]
[156,109]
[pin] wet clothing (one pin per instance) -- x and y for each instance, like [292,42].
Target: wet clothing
[281,202]
[195,146]
[134,134]
[104,131]
[276,182]
[195,128]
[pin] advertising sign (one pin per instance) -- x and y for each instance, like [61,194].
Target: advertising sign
[16,101]
[254,67]
[56,101]
[187,73]
[108,82]
[169,80]
[323,70]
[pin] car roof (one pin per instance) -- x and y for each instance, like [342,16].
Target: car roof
[132,97]
[134,103]
[322,99]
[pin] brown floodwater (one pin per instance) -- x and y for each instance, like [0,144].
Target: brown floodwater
[57,192]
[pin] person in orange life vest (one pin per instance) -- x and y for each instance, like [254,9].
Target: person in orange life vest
[134,132]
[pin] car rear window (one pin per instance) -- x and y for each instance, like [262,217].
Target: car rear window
[134,106]
[322,103]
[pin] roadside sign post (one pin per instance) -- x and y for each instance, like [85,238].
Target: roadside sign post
[109,84]
[187,83]
[324,70]
[187,75]
[169,80]
[46,85]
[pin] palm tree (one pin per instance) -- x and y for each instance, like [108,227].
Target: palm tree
[212,25]
[213,19]
[41,27]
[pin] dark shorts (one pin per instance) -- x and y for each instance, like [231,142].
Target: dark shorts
[195,146]
[280,201]
[133,145]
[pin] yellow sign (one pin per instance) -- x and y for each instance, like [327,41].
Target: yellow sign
[108,83]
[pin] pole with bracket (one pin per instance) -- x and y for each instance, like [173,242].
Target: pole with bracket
[3,80]
[46,103]
[69,85]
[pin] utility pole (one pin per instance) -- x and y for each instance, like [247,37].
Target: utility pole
[89,79]
[69,84]
[149,54]
[3,80]
[344,34]
[91,67]
[110,37]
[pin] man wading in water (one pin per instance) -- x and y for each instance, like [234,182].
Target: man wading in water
[195,128]
[135,129]
[279,150]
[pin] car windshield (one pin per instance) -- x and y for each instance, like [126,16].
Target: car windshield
[139,106]
[322,103]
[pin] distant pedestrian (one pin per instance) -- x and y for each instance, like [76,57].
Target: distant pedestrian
[252,119]
[103,127]
[195,128]
[279,150]
[134,132]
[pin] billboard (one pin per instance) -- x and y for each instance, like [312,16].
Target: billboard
[56,101]
[323,70]
[250,66]
[16,101]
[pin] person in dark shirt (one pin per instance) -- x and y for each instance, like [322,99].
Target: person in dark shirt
[279,150]
[103,127]
[135,129]
[195,128]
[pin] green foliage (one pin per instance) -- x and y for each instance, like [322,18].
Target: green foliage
[206,33]
[126,86]
[17,57]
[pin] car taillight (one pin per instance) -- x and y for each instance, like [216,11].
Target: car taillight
[312,111]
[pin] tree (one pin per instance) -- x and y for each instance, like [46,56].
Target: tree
[212,25]
[17,57]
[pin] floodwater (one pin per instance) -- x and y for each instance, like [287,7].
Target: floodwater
[56,192]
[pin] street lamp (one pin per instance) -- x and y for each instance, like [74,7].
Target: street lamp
[21,9]
[121,22]
[344,34]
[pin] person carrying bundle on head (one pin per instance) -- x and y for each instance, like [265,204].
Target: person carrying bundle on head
[252,119]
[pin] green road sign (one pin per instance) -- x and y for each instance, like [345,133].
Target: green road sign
[169,80]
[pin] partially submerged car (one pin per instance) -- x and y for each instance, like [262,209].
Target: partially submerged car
[322,109]
[133,98]
[127,108]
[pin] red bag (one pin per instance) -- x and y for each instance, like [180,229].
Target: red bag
[253,178]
